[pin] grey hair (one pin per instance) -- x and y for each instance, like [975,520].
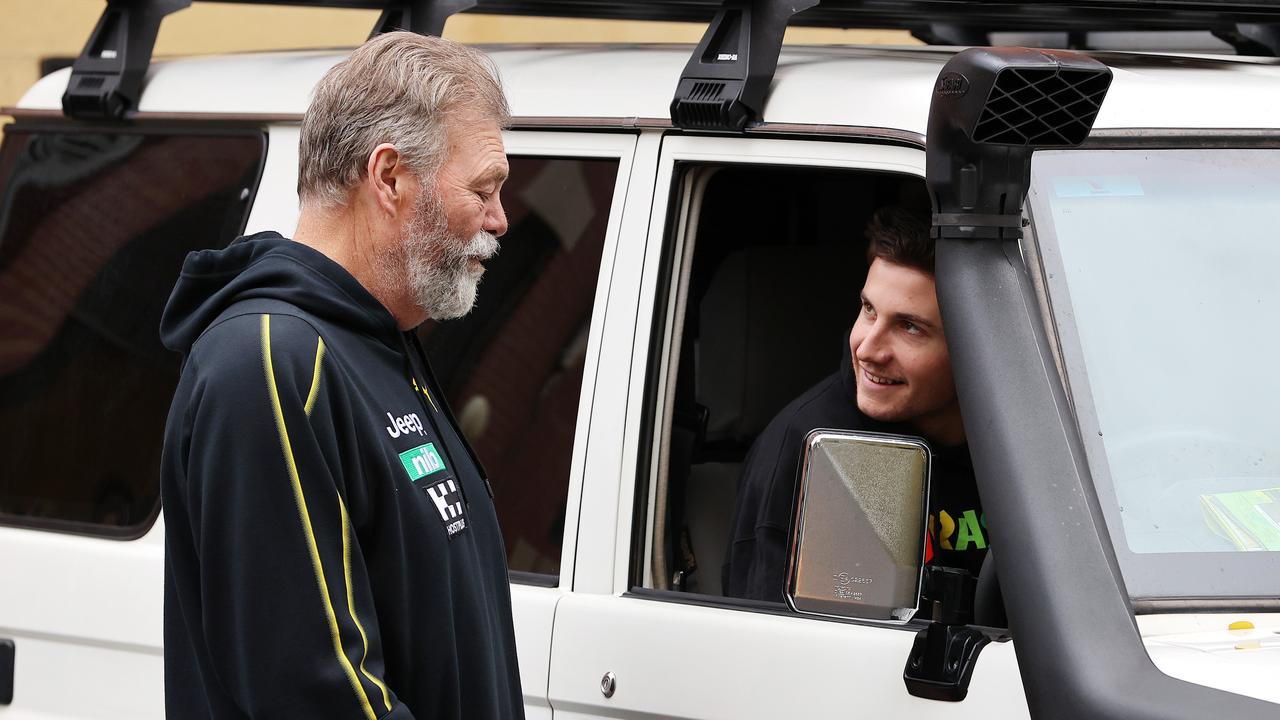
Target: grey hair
[400,88]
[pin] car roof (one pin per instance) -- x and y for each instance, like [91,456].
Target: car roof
[880,87]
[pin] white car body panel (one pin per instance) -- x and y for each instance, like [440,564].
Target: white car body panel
[739,665]
[96,615]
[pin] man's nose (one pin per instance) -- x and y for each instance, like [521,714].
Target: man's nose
[495,217]
[873,347]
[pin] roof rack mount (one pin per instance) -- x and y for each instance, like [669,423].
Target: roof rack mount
[107,77]
[425,17]
[723,86]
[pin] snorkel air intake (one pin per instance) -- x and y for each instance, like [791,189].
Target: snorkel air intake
[991,108]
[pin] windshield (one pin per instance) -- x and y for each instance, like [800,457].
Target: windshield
[1163,272]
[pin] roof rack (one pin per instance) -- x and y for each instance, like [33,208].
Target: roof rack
[725,83]
[106,79]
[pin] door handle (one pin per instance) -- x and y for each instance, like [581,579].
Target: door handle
[6,671]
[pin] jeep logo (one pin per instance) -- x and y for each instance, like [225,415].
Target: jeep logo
[952,84]
[404,425]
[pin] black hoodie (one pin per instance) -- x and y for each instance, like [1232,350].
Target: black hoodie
[331,548]
[756,562]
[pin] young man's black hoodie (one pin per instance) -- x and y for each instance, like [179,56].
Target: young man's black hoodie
[331,547]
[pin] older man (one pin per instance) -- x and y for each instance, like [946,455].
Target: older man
[331,545]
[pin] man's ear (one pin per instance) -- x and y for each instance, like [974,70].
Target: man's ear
[386,179]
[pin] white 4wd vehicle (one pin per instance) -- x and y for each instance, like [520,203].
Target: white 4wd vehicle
[666,287]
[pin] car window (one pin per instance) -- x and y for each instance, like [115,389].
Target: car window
[93,230]
[763,294]
[512,368]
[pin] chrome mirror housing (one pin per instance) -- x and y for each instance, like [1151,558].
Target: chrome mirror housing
[857,543]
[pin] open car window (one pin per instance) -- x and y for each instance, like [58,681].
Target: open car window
[764,289]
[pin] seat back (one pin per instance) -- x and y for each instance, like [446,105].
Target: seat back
[770,327]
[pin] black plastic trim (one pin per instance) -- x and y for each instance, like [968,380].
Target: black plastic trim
[132,532]
[7,662]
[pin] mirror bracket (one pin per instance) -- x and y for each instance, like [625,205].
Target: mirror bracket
[942,661]
[944,654]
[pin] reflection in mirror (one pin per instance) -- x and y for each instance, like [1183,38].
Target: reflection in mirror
[857,544]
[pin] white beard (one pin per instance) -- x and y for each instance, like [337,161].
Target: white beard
[438,266]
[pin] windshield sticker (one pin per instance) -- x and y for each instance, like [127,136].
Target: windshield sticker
[1250,519]
[1080,186]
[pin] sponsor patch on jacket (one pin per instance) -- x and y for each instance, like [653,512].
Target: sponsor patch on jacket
[448,502]
[421,461]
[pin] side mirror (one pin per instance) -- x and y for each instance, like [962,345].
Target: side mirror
[857,544]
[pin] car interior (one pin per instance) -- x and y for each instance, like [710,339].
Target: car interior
[769,298]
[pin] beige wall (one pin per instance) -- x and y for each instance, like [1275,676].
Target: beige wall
[35,29]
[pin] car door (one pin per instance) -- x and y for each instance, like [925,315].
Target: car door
[737,224]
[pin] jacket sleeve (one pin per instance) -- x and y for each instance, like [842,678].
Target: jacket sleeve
[285,600]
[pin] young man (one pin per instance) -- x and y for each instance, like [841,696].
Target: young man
[331,544]
[895,377]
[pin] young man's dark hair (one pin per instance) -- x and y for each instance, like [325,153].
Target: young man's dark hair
[900,234]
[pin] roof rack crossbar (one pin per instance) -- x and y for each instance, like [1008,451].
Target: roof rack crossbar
[724,84]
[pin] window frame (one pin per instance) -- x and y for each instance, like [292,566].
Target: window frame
[570,145]
[649,388]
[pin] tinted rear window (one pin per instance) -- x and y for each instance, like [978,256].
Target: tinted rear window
[93,230]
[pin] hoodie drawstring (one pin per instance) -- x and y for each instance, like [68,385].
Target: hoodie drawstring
[439,404]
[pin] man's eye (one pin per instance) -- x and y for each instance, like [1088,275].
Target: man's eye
[868,310]
[912,328]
